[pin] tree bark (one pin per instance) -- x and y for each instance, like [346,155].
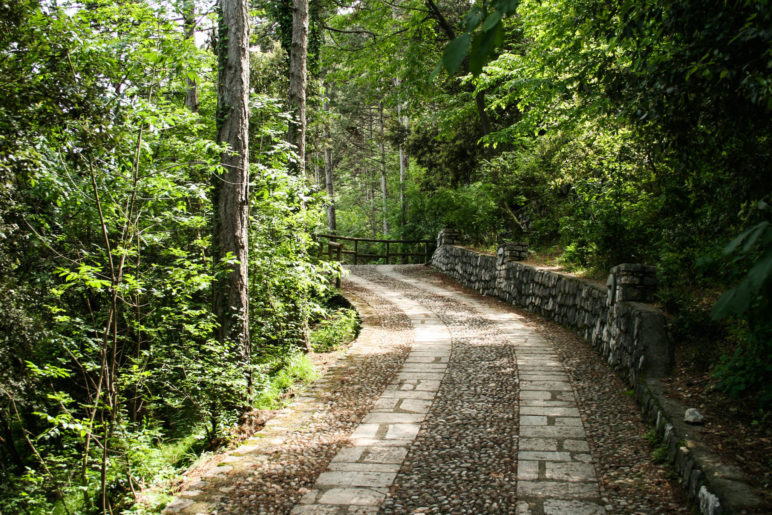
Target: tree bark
[297,86]
[189,24]
[317,178]
[231,188]
[331,219]
[404,167]
[384,193]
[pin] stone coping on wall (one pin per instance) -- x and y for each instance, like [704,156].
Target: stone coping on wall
[632,337]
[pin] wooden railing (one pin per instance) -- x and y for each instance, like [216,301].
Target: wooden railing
[360,249]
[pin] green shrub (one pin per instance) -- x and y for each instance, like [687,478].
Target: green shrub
[297,369]
[337,330]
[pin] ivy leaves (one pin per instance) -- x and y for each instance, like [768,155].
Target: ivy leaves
[483,31]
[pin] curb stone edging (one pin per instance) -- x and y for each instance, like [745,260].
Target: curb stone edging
[714,487]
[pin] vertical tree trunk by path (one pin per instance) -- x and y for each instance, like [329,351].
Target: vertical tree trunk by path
[331,219]
[332,222]
[231,187]
[404,166]
[189,24]
[297,86]
[317,178]
[374,179]
[384,196]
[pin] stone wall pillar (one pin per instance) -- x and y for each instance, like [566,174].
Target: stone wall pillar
[505,254]
[630,282]
[448,237]
[508,252]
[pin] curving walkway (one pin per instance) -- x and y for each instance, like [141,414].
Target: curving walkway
[459,404]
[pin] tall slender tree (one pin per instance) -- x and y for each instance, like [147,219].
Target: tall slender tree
[231,187]
[384,192]
[297,86]
[331,220]
[404,166]
[189,25]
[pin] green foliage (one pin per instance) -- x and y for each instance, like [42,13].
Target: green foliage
[749,367]
[338,329]
[111,378]
[288,371]
[483,31]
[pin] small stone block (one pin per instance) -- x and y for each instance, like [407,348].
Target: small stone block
[533,420]
[544,456]
[538,444]
[553,431]
[402,431]
[348,454]
[347,479]
[363,467]
[309,497]
[348,496]
[394,418]
[385,455]
[561,507]
[557,489]
[535,394]
[365,431]
[576,445]
[415,405]
[568,421]
[570,471]
[527,470]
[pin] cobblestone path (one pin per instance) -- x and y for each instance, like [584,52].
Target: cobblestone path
[465,447]
[465,408]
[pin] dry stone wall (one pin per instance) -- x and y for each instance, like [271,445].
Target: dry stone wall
[631,336]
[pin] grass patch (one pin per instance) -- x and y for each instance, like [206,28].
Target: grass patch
[298,369]
[339,328]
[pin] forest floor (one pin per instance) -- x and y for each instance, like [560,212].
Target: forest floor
[734,429]
[440,405]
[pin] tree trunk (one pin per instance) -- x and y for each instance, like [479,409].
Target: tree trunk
[317,178]
[297,86]
[189,24]
[404,167]
[372,181]
[384,196]
[231,188]
[331,220]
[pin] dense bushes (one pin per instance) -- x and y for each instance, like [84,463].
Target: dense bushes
[111,375]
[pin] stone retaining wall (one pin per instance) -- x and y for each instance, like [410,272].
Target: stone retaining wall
[631,336]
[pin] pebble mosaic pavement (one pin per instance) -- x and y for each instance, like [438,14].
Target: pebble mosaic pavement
[480,417]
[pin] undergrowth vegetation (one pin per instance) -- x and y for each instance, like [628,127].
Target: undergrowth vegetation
[338,328]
